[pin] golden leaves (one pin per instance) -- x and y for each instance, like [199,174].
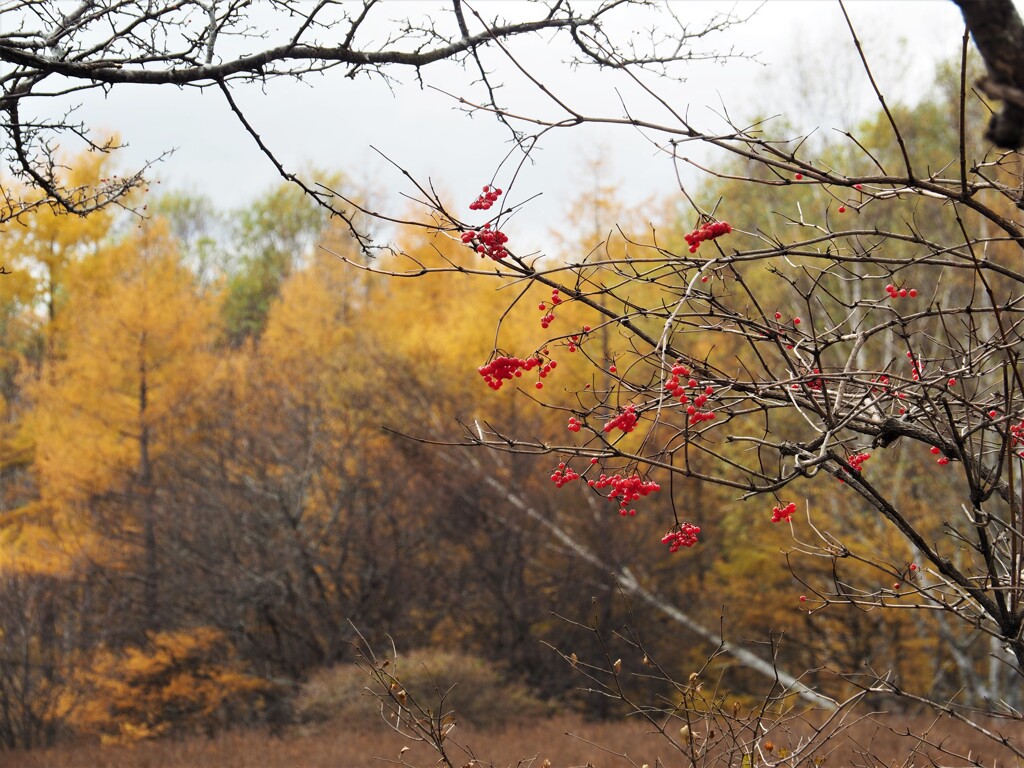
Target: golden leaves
[177,680]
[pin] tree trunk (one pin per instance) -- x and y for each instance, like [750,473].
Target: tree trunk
[151,596]
[999,35]
[632,586]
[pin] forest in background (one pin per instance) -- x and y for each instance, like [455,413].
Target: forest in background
[199,505]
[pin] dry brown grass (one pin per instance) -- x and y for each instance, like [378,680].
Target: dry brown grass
[334,746]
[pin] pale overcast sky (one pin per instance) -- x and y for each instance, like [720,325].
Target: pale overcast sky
[805,68]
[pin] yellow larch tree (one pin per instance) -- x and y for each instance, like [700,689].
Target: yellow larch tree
[138,355]
[46,243]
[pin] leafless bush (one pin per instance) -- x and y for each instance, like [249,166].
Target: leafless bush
[473,689]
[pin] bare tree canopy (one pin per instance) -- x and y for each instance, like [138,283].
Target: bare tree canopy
[53,51]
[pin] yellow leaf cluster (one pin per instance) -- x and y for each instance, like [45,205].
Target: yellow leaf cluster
[176,682]
[137,357]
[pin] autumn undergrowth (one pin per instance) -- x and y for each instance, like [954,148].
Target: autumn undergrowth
[564,741]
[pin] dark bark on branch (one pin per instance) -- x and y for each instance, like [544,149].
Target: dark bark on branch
[273,61]
[51,51]
[999,34]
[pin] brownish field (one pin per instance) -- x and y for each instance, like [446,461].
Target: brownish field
[621,744]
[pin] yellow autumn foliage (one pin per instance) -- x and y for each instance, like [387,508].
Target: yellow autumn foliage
[179,681]
[137,359]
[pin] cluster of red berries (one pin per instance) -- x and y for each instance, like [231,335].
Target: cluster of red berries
[486,199]
[917,365]
[708,231]
[695,406]
[503,368]
[900,293]
[815,384]
[576,339]
[489,242]
[883,380]
[626,489]
[574,424]
[784,513]
[675,388]
[856,462]
[943,460]
[563,475]
[549,318]
[682,535]
[1016,435]
[545,369]
[625,421]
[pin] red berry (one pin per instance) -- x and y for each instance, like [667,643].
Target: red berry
[842,209]
[799,176]
[612,369]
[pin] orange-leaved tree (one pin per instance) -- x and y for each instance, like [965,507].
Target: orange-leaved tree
[138,339]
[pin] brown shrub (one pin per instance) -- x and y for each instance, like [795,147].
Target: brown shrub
[473,689]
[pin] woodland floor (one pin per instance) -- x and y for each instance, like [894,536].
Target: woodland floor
[529,745]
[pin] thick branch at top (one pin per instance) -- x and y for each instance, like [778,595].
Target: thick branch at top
[998,32]
[304,56]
